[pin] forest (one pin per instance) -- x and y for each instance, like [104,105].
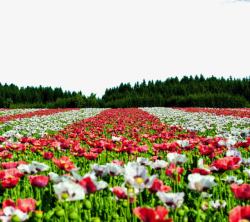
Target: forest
[188,91]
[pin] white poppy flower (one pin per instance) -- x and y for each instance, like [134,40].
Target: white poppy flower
[173,200]
[200,182]
[11,211]
[116,139]
[218,204]
[205,195]
[183,143]
[230,142]
[108,169]
[99,185]
[222,143]
[33,167]
[114,169]
[136,175]
[55,178]
[232,179]
[233,152]
[200,163]
[176,158]
[124,192]
[246,162]
[69,191]
[143,161]
[159,164]
[99,170]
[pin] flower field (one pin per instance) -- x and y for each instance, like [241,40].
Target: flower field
[148,164]
[243,113]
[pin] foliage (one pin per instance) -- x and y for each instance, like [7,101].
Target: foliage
[188,91]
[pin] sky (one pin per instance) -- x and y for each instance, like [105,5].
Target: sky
[91,45]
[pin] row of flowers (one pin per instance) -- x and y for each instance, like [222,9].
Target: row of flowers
[38,126]
[237,112]
[122,164]
[8,112]
[237,129]
[38,112]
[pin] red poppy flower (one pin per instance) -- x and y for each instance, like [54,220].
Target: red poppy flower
[13,172]
[26,205]
[142,148]
[119,192]
[152,215]
[39,181]
[16,146]
[96,150]
[241,191]
[55,144]
[8,203]
[24,140]
[5,154]
[48,155]
[201,171]
[227,163]
[118,162]
[145,214]
[158,185]
[64,163]
[9,178]
[174,170]
[207,150]
[9,165]
[10,182]
[88,185]
[2,139]
[90,156]
[239,214]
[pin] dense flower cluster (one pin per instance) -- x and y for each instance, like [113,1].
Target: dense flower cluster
[10,112]
[123,164]
[237,112]
[40,112]
[38,126]
[235,128]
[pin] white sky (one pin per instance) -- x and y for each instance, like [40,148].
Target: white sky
[91,45]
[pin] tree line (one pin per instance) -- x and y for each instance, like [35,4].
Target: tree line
[12,96]
[187,91]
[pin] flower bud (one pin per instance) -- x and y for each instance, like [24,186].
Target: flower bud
[181,212]
[115,216]
[73,215]
[87,204]
[59,212]
[95,219]
[125,203]
[48,215]
[38,214]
